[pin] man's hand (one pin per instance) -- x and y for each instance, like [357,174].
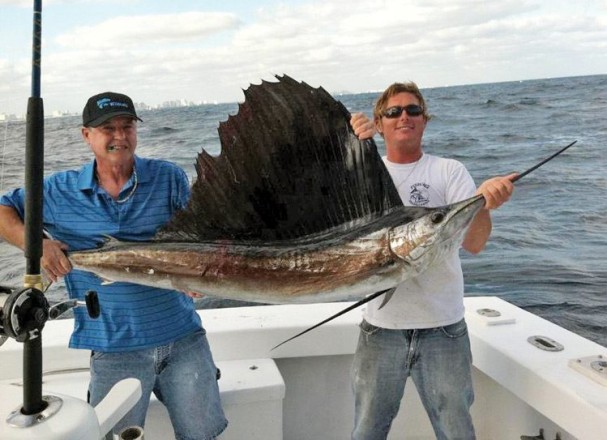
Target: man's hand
[363,127]
[497,190]
[193,294]
[54,260]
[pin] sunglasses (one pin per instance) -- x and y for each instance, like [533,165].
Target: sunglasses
[396,111]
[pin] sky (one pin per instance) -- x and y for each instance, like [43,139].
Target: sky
[161,50]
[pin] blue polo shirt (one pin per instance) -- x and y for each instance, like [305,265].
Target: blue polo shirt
[80,213]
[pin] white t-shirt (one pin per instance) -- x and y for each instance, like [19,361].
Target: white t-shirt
[436,297]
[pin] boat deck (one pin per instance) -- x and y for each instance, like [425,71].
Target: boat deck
[519,387]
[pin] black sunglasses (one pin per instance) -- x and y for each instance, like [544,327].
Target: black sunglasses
[396,111]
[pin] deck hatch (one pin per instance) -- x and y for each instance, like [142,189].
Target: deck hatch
[545,343]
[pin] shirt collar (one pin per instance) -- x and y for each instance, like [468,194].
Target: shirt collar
[87,181]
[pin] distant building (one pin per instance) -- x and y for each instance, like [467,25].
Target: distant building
[6,117]
[179,103]
[58,114]
[142,106]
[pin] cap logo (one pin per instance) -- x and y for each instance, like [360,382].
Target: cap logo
[107,102]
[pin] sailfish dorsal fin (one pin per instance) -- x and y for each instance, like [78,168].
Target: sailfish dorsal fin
[290,166]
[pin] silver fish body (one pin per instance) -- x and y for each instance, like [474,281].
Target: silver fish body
[341,264]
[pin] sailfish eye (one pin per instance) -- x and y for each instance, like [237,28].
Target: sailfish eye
[437,217]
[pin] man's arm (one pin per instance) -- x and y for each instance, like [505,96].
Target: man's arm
[496,191]
[54,261]
[12,228]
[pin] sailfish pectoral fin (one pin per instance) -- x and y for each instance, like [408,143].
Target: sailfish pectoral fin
[388,297]
[344,311]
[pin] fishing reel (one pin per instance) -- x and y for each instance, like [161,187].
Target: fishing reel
[24,312]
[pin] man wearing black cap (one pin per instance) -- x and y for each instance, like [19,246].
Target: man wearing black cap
[152,334]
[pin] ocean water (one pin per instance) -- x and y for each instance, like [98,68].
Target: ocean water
[548,249]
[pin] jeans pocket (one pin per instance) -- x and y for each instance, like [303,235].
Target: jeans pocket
[368,329]
[97,355]
[456,330]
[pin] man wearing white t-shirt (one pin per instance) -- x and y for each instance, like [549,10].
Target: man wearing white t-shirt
[421,331]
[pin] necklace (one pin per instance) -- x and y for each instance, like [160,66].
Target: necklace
[131,192]
[403,181]
[129,195]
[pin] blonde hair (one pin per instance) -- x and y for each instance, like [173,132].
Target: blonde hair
[395,89]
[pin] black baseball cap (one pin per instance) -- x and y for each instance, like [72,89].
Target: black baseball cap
[104,106]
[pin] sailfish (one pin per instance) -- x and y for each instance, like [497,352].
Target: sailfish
[295,209]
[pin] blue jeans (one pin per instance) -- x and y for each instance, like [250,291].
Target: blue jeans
[182,375]
[439,362]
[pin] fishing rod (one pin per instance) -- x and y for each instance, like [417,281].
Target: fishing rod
[34,162]
[34,170]
[391,291]
[23,312]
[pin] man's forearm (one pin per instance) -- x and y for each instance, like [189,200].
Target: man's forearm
[478,232]
[12,228]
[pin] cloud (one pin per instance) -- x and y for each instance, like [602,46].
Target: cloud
[28,3]
[339,44]
[148,30]
[18,3]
